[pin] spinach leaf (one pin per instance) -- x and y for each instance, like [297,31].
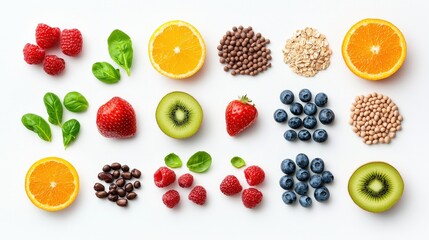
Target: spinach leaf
[75,102]
[199,162]
[105,72]
[38,125]
[121,49]
[173,161]
[238,162]
[70,129]
[54,108]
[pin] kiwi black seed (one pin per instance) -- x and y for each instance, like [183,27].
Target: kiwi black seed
[376,186]
[179,115]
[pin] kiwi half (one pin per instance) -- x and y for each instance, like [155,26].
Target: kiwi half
[376,186]
[179,115]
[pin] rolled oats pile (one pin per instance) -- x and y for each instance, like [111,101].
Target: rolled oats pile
[307,52]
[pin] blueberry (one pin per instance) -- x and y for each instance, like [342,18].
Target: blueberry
[317,165]
[305,95]
[286,182]
[296,108]
[302,175]
[316,181]
[309,122]
[310,109]
[289,197]
[305,201]
[320,135]
[321,99]
[280,115]
[287,97]
[326,116]
[301,188]
[327,177]
[321,194]
[288,166]
[290,135]
[304,135]
[302,160]
[295,122]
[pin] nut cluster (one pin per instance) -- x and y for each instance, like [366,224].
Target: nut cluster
[375,118]
[244,52]
[120,191]
[307,52]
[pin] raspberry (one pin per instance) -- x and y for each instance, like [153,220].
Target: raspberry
[71,42]
[198,195]
[254,175]
[164,177]
[171,198]
[53,65]
[251,197]
[230,185]
[46,36]
[186,180]
[33,54]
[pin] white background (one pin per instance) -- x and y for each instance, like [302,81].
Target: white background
[23,87]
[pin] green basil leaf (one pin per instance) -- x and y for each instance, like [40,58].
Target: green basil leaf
[238,162]
[105,72]
[199,162]
[173,161]
[38,125]
[121,49]
[71,130]
[75,102]
[54,108]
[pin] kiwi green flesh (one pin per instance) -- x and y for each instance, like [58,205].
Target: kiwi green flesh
[376,186]
[179,115]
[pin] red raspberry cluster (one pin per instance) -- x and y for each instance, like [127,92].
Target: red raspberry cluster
[70,41]
[164,177]
[251,197]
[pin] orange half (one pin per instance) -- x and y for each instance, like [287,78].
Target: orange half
[177,50]
[52,184]
[374,49]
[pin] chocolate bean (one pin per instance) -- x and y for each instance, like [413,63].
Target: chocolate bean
[107,177]
[115,166]
[112,198]
[116,174]
[121,192]
[98,187]
[129,187]
[137,184]
[120,182]
[136,173]
[112,186]
[106,168]
[101,194]
[125,168]
[122,202]
[113,192]
[126,175]
[131,195]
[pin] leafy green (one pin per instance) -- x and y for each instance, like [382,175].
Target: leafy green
[38,125]
[121,49]
[238,162]
[173,161]
[105,72]
[199,162]
[75,102]
[54,108]
[70,130]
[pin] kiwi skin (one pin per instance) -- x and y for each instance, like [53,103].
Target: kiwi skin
[179,115]
[385,178]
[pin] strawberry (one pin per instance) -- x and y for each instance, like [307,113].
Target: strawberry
[46,36]
[239,115]
[53,65]
[71,42]
[116,119]
[33,54]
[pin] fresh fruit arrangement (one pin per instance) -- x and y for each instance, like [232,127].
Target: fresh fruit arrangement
[317,180]
[309,122]
[70,41]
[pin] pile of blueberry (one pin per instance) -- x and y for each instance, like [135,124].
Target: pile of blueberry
[309,122]
[316,180]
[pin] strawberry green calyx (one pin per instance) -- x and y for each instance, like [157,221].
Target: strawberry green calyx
[245,100]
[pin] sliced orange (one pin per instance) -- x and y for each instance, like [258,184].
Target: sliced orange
[52,184]
[374,49]
[177,50]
